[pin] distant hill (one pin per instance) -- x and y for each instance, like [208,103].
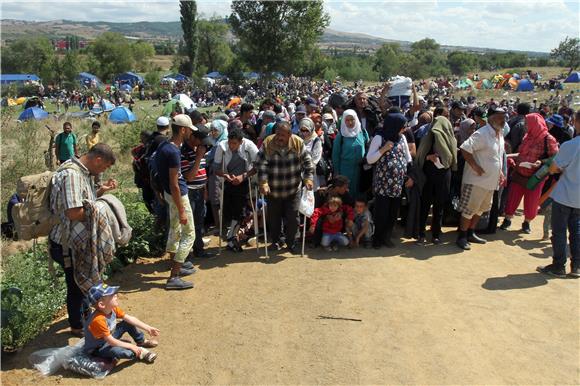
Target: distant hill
[158,31]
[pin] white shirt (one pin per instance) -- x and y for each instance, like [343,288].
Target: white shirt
[374,153]
[487,149]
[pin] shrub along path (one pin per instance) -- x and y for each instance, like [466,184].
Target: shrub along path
[408,315]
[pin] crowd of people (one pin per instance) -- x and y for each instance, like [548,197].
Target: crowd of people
[371,161]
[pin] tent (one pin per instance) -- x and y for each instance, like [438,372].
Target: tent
[185,101]
[215,75]
[122,114]
[516,76]
[513,82]
[18,78]
[170,107]
[129,78]
[251,75]
[486,84]
[464,83]
[525,85]
[35,113]
[88,80]
[573,77]
[234,102]
[126,87]
[177,77]
[105,106]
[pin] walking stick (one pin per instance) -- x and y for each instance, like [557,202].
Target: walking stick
[255,214]
[303,235]
[265,231]
[221,211]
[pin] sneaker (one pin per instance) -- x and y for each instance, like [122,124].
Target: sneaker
[552,270]
[177,283]
[463,244]
[328,249]
[277,246]
[436,240]
[505,224]
[234,248]
[526,228]
[186,271]
[292,248]
[204,255]
[187,265]
[473,238]
[421,241]
[575,272]
[148,343]
[147,356]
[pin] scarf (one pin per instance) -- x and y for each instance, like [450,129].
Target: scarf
[317,119]
[308,124]
[444,142]
[295,144]
[464,127]
[537,130]
[392,126]
[222,128]
[347,132]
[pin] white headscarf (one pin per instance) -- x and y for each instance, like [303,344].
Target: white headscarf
[347,132]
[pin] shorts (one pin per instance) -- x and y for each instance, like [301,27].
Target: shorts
[474,201]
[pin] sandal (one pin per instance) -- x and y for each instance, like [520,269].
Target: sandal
[147,356]
[148,343]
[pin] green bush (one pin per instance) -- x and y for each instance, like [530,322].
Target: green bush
[23,318]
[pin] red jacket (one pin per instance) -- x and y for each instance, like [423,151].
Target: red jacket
[331,222]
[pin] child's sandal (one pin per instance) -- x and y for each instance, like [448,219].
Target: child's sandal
[148,343]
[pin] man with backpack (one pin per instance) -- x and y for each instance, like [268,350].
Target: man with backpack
[71,184]
[166,171]
[66,145]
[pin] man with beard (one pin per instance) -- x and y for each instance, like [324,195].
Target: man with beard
[483,152]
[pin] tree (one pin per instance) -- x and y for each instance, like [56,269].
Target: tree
[387,60]
[188,11]
[214,52]
[110,54]
[461,62]
[429,60]
[33,55]
[277,35]
[568,52]
[142,53]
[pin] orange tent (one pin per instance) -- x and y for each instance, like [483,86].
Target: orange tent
[234,102]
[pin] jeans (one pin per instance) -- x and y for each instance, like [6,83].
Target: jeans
[181,237]
[115,352]
[565,218]
[197,202]
[329,238]
[286,209]
[76,302]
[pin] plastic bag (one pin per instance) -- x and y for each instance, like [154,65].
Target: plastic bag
[91,366]
[400,86]
[50,360]
[306,206]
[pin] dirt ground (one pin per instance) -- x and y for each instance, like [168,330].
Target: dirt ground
[409,315]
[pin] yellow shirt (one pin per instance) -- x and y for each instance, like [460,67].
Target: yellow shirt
[92,140]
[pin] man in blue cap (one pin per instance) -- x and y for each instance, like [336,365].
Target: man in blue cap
[558,129]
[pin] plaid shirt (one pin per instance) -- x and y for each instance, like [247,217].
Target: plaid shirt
[284,171]
[71,184]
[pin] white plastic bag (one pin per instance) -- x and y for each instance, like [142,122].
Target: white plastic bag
[306,206]
[400,86]
[50,360]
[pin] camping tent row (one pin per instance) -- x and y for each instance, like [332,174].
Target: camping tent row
[573,77]
[89,80]
[18,78]
[245,75]
[129,78]
[498,82]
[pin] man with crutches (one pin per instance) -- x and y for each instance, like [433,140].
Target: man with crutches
[284,166]
[234,162]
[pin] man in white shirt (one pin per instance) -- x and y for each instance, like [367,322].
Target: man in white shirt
[483,153]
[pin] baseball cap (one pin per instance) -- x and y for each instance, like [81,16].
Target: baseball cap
[328,117]
[98,291]
[269,114]
[202,133]
[162,121]
[300,109]
[495,110]
[556,120]
[183,120]
[458,105]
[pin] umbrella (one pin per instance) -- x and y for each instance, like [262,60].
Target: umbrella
[122,115]
[35,113]
[185,101]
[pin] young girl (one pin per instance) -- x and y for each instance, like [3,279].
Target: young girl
[332,216]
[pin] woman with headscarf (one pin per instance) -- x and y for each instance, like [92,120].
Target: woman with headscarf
[312,143]
[349,149]
[537,147]
[390,154]
[466,128]
[219,131]
[436,158]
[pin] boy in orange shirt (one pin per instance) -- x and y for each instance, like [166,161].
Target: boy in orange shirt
[103,334]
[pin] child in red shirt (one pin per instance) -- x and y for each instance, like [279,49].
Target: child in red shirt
[332,215]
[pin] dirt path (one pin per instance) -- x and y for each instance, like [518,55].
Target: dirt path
[408,315]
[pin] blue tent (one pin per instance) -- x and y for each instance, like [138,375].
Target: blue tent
[35,113]
[251,75]
[86,79]
[177,77]
[105,106]
[214,75]
[122,115]
[129,78]
[525,85]
[126,87]
[18,78]
[573,77]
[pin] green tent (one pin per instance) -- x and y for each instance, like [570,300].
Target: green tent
[486,84]
[464,83]
[170,107]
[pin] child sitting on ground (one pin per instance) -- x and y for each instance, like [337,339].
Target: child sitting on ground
[363,226]
[103,334]
[331,214]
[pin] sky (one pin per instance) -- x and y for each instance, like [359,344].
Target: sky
[528,25]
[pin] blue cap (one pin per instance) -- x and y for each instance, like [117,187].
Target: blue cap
[557,120]
[98,291]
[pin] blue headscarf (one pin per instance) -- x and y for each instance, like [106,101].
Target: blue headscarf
[392,126]
[222,128]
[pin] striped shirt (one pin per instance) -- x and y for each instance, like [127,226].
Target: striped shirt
[187,162]
[71,184]
[284,170]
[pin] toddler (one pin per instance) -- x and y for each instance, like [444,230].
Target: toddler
[332,216]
